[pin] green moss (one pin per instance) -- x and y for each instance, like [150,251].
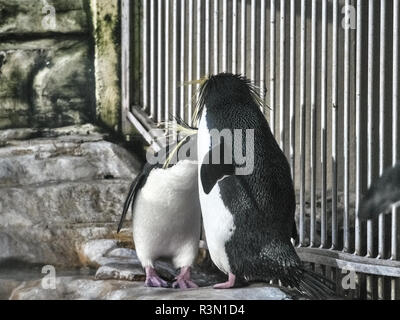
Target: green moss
[116,32]
[107,42]
[108,31]
[8,11]
[107,18]
[15,119]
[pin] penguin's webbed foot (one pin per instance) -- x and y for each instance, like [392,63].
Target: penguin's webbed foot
[226,285]
[184,284]
[153,279]
[183,281]
[156,282]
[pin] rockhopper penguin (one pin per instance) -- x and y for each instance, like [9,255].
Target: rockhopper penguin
[166,219]
[248,218]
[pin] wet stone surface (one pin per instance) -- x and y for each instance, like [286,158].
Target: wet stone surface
[120,276]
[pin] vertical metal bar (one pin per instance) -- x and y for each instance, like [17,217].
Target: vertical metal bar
[207,39]
[125,64]
[395,112]
[323,122]
[175,58]
[199,47]
[358,127]
[395,103]
[382,96]
[136,32]
[282,109]
[243,38]
[370,103]
[346,125]
[272,66]
[190,58]
[166,99]
[145,55]
[234,36]
[182,61]
[152,60]
[253,40]
[292,85]
[313,149]
[262,50]
[302,121]
[225,35]
[335,14]
[216,36]
[159,62]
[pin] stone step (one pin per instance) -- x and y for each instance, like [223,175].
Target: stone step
[58,192]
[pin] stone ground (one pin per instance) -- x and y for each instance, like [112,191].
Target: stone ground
[120,277]
[78,288]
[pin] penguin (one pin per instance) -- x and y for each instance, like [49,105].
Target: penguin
[383,193]
[166,219]
[249,219]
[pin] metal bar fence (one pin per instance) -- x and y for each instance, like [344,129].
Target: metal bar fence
[336,94]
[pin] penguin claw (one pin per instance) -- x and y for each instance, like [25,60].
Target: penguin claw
[183,280]
[184,284]
[155,282]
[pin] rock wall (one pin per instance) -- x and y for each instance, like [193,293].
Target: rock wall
[46,63]
[57,191]
[61,183]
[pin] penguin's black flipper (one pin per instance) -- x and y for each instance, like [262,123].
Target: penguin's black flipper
[382,194]
[210,173]
[136,185]
[129,199]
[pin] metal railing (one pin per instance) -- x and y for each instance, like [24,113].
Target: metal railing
[328,71]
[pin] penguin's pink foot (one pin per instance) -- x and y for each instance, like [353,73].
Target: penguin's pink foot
[226,285]
[183,280]
[153,280]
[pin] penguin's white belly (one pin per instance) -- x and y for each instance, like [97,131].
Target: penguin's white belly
[166,216]
[217,219]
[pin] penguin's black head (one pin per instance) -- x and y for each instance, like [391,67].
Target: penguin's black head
[226,88]
[228,83]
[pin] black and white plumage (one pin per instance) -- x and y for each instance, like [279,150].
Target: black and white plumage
[383,193]
[248,219]
[166,219]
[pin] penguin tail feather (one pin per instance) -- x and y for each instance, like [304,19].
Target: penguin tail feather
[316,287]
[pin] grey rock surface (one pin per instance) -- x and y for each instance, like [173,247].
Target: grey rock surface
[7,286]
[88,289]
[121,277]
[45,83]
[26,16]
[57,193]
[118,263]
